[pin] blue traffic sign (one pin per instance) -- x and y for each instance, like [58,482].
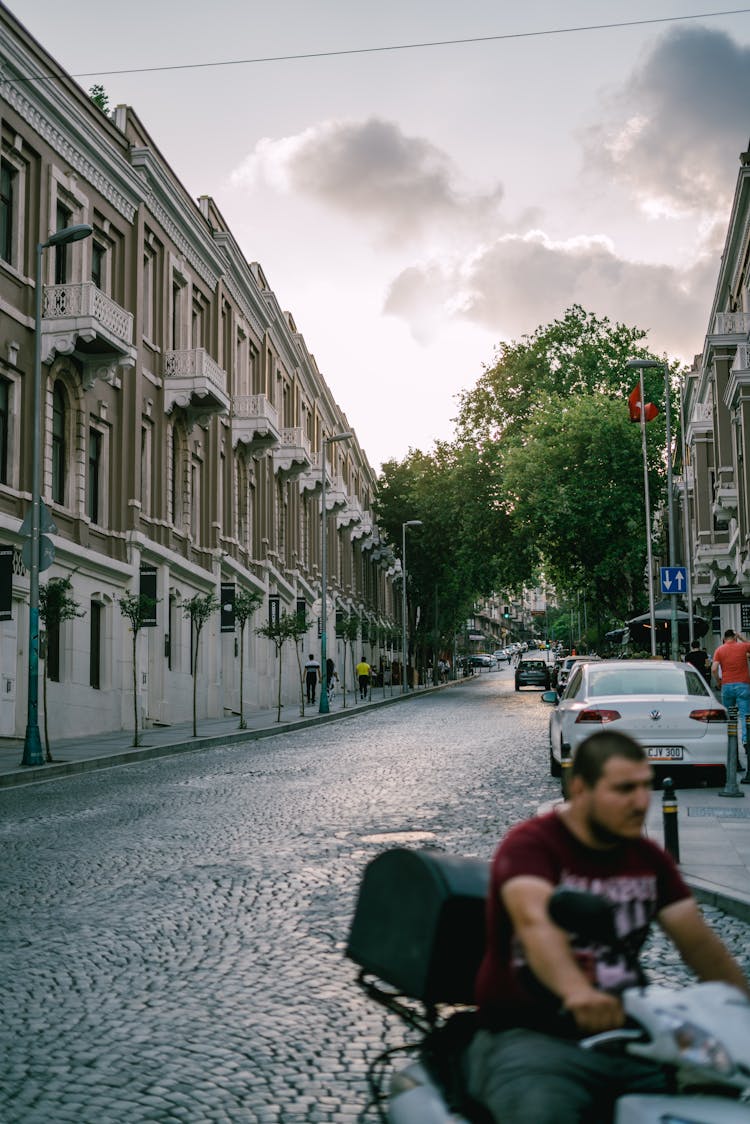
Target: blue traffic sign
[673,579]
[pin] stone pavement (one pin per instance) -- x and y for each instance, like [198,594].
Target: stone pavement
[714,831]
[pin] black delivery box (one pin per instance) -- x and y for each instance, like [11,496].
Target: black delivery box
[419,923]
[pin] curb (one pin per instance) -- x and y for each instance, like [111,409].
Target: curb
[57,770]
[733,902]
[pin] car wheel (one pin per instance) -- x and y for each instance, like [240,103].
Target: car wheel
[555,768]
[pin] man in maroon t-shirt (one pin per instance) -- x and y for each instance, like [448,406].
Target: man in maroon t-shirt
[731,657]
[520,1065]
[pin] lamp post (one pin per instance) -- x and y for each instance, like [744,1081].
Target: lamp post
[408,523]
[32,745]
[323,707]
[654,364]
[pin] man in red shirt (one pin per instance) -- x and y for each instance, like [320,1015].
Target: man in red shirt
[731,657]
[520,1064]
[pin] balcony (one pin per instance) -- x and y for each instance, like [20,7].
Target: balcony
[255,423]
[195,382]
[80,319]
[311,481]
[724,505]
[293,456]
[336,497]
[351,515]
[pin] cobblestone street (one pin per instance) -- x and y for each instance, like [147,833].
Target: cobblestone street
[173,932]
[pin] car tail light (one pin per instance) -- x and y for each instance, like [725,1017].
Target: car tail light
[595,715]
[714,715]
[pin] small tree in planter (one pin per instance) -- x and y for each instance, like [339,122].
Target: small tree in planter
[348,630]
[199,608]
[245,604]
[56,604]
[136,608]
[288,627]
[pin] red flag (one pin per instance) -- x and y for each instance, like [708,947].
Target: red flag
[634,404]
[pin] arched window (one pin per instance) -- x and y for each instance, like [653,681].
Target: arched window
[59,420]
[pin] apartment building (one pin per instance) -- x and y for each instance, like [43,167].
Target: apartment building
[182,424]
[716,409]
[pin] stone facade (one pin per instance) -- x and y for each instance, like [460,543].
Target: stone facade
[182,423]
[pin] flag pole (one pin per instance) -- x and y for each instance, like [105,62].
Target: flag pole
[647,497]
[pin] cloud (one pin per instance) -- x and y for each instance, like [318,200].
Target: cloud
[371,169]
[518,282]
[675,129]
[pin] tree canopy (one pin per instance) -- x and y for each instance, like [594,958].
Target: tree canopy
[544,477]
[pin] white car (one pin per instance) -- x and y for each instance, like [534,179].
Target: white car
[667,707]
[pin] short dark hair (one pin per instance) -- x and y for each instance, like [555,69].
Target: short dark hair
[729,634]
[594,753]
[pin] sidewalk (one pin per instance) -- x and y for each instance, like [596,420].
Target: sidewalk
[714,831]
[102,751]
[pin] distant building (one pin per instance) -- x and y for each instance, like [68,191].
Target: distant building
[182,424]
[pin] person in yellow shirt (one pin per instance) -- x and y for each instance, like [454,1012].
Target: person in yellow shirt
[363,671]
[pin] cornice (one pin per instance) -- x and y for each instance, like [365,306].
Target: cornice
[45,104]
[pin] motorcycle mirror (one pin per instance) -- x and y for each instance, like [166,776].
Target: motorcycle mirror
[585,914]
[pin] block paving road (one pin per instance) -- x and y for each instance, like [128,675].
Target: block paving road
[173,931]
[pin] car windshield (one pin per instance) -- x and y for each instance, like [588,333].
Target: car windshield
[533,665]
[645,681]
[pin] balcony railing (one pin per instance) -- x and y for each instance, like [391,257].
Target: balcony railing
[732,324]
[85,299]
[255,422]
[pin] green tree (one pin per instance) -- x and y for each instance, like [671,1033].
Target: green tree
[100,97]
[347,629]
[289,626]
[576,485]
[56,605]
[245,604]
[136,608]
[198,608]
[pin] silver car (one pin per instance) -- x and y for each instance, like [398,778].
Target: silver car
[667,707]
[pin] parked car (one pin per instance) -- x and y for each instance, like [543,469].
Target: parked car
[480,660]
[565,668]
[532,673]
[666,706]
[503,654]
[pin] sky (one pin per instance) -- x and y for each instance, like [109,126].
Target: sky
[414,208]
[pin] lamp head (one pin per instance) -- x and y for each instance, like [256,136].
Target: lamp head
[70,234]
[337,437]
[644,364]
[413,523]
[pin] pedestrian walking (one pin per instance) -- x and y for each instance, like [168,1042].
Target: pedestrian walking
[312,677]
[698,657]
[363,673]
[731,659]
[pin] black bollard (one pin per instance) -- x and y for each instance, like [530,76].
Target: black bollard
[731,788]
[566,763]
[669,817]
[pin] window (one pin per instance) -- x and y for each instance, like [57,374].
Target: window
[98,260]
[146,473]
[176,329]
[195,500]
[64,219]
[95,645]
[4,428]
[8,217]
[172,637]
[59,421]
[96,442]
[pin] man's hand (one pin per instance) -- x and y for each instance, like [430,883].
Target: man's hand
[594,1011]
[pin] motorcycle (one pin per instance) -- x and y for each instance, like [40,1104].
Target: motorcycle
[418,937]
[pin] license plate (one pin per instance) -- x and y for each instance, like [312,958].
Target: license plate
[665,752]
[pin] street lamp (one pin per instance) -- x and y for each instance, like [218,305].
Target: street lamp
[32,746]
[323,707]
[408,523]
[654,364]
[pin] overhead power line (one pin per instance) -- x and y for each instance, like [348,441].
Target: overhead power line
[412,46]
